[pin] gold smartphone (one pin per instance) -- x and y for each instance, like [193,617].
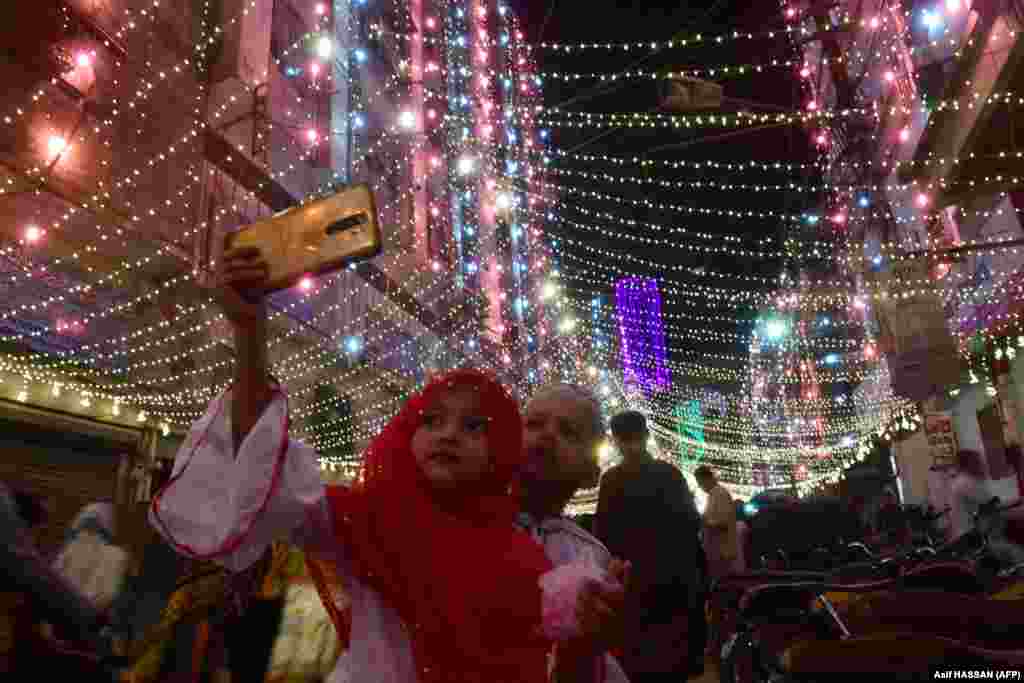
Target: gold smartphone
[314,238]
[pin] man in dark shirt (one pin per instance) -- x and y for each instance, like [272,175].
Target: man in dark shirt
[646,515]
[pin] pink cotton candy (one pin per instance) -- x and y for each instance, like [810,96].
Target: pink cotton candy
[561,591]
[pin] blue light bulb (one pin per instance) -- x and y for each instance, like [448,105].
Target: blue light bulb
[360,55]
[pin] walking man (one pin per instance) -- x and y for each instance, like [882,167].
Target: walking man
[721,539]
[646,515]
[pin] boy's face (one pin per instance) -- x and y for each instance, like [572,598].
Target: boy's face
[450,445]
[559,441]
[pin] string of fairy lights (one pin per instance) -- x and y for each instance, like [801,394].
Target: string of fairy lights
[518,226]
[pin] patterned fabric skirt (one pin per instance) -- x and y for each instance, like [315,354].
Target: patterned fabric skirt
[305,647]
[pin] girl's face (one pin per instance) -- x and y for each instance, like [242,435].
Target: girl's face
[450,445]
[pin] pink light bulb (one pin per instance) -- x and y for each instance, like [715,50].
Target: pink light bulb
[874,22]
[431,114]
[822,139]
[83,60]
[321,8]
[314,69]
[436,266]
[922,200]
[481,12]
[33,234]
[306,284]
[519,35]
[790,12]
[805,72]
[890,76]
[904,135]
[431,23]
[311,135]
[839,218]
[56,144]
[435,162]
[812,106]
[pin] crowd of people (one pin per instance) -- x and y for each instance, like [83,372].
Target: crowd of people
[456,562]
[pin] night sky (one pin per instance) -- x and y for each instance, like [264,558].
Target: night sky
[774,90]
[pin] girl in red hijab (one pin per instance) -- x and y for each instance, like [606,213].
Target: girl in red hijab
[425,540]
[431,527]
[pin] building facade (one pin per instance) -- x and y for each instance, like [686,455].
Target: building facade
[920,176]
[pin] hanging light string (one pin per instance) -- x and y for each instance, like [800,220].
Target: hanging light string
[839,24]
[814,113]
[776,166]
[129,180]
[713,72]
[892,250]
[875,289]
[930,186]
[696,40]
[149,13]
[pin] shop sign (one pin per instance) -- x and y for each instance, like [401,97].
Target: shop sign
[922,353]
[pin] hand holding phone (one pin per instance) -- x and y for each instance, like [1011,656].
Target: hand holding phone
[313,238]
[241,283]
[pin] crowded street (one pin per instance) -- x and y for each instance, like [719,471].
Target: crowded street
[511,341]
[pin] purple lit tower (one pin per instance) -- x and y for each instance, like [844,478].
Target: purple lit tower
[642,333]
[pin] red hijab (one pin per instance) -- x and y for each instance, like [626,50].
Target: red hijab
[462,577]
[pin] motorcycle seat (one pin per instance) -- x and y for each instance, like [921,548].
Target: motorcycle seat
[936,612]
[896,652]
